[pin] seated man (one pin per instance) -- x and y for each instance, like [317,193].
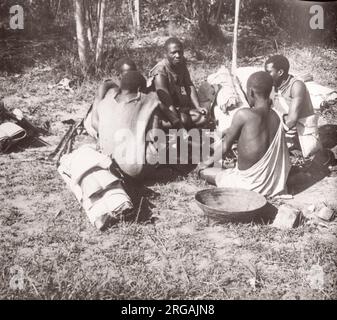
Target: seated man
[123,66]
[263,160]
[122,120]
[170,77]
[293,102]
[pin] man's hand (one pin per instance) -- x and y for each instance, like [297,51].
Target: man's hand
[204,165]
[203,111]
[229,104]
[200,167]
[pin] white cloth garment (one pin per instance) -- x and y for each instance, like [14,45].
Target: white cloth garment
[268,176]
[306,128]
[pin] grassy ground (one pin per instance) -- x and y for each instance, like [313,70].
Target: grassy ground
[176,254]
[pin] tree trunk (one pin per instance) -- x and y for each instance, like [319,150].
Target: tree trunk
[98,12]
[88,14]
[203,18]
[82,40]
[217,19]
[100,36]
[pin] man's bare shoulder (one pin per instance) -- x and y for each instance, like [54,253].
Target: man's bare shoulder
[244,114]
[298,88]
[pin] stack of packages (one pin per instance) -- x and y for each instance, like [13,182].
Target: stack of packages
[101,194]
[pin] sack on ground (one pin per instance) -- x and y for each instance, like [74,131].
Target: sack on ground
[10,134]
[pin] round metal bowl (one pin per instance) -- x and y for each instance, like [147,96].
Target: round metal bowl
[230,204]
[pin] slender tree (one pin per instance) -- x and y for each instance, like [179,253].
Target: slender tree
[82,40]
[134,8]
[100,35]
[88,16]
[218,13]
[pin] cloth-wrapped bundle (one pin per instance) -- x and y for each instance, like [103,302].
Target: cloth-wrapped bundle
[101,194]
[229,99]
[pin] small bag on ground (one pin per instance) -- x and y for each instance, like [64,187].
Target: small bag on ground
[10,134]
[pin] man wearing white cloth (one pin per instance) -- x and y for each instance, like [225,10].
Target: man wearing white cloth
[263,160]
[293,101]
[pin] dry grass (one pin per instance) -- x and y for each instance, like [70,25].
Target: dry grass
[177,255]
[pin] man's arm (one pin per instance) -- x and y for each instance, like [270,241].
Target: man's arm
[166,105]
[298,92]
[191,91]
[223,145]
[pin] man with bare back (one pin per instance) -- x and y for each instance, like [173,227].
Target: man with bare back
[263,159]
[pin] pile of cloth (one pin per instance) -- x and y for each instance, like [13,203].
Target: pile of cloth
[230,97]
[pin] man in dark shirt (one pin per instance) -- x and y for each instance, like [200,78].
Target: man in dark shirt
[176,91]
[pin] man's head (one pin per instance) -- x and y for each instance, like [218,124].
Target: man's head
[174,51]
[133,81]
[259,86]
[125,65]
[278,67]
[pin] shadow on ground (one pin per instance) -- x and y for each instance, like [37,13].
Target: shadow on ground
[302,178]
[328,135]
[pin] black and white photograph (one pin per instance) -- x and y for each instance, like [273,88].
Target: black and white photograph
[173,151]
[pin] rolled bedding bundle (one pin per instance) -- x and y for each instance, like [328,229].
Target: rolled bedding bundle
[100,193]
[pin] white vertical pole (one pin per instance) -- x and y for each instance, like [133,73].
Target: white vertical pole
[137,14]
[235,37]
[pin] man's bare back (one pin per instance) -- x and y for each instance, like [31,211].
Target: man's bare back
[257,133]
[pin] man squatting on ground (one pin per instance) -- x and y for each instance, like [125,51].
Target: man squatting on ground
[263,159]
[170,78]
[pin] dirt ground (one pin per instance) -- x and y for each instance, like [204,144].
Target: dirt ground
[49,246]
